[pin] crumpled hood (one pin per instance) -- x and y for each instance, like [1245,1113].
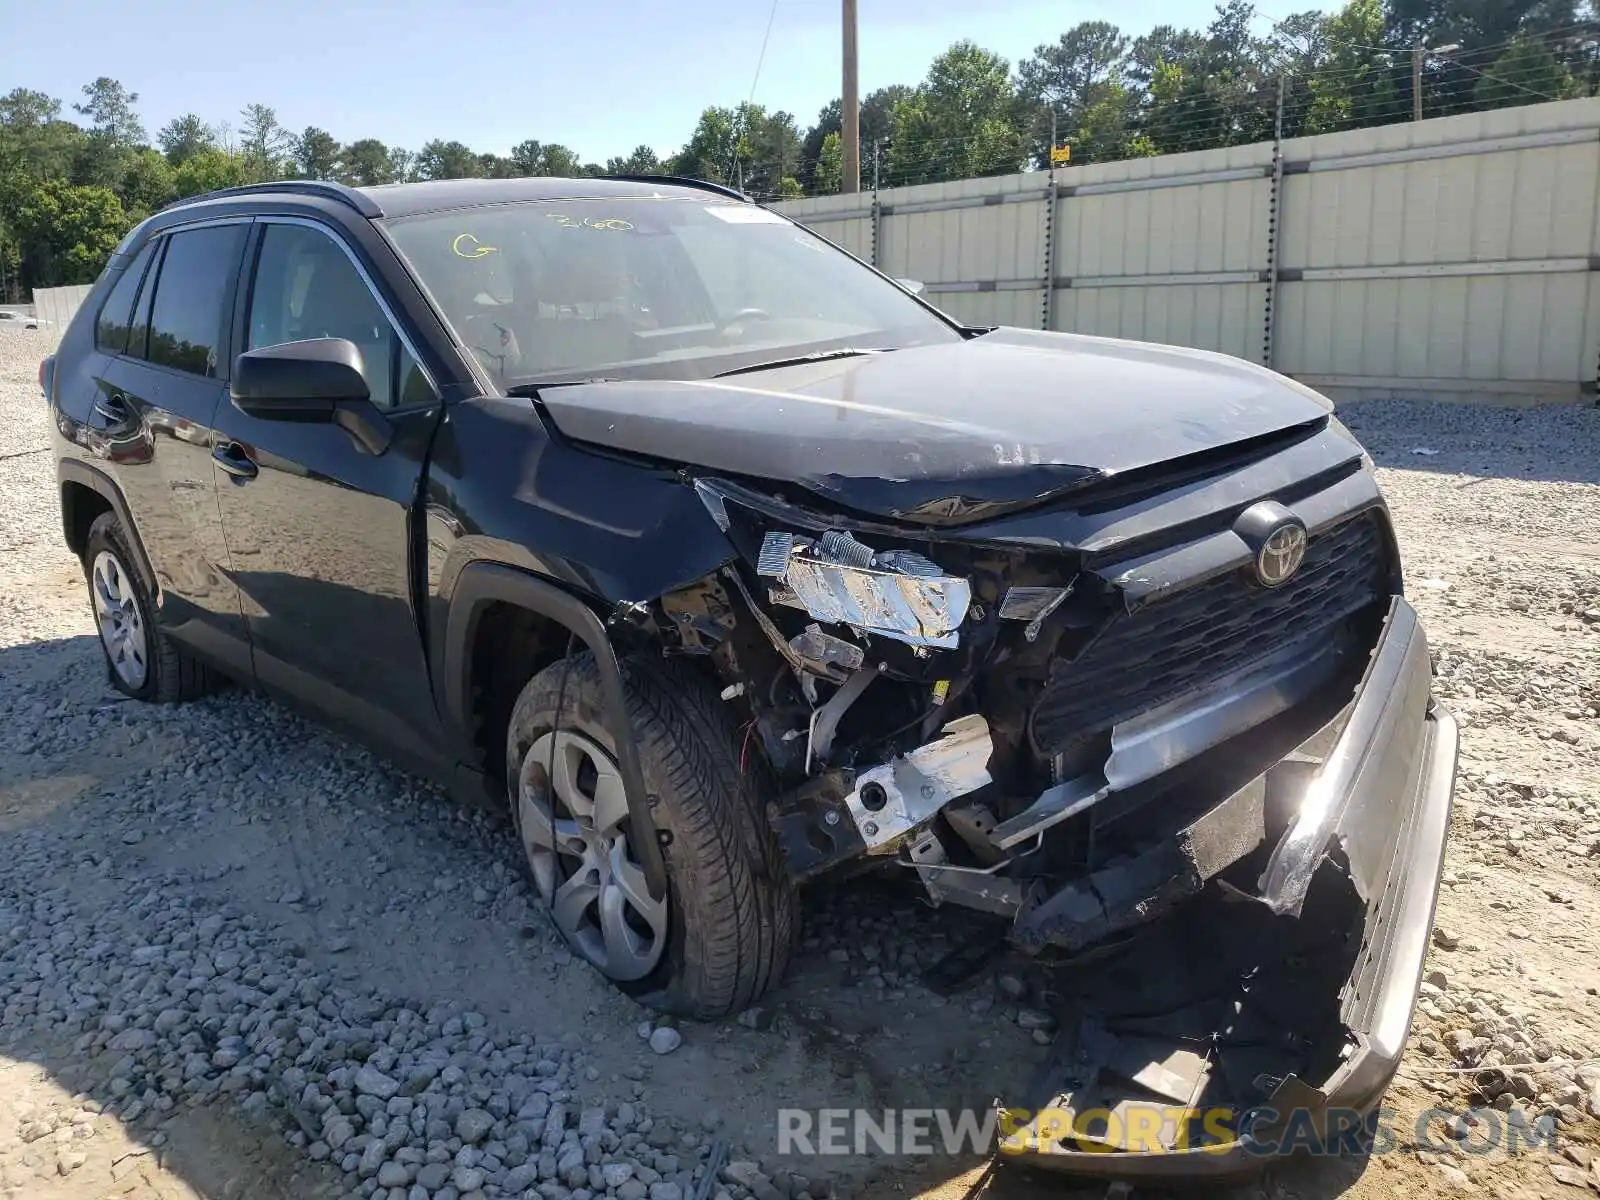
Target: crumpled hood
[948,433]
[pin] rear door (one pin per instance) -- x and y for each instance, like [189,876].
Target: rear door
[165,332]
[318,523]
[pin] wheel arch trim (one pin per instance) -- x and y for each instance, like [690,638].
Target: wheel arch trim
[70,470]
[481,584]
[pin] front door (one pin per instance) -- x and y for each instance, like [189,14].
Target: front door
[318,522]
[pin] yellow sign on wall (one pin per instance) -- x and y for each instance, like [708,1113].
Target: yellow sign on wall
[1060,155]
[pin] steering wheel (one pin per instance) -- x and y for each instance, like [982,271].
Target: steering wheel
[744,314]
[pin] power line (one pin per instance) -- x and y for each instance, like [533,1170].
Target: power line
[1542,35]
[762,57]
[1501,79]
[743,118]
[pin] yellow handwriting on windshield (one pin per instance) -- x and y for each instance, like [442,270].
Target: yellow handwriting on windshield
[567,222]
[467,246]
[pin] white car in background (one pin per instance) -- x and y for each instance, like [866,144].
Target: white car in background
[16,320]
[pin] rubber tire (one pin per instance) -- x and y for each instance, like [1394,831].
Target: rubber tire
[171,674]
[732,910]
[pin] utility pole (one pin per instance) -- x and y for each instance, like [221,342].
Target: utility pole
[850,108]
[1418,54]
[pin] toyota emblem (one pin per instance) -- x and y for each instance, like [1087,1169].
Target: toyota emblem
[1281,554]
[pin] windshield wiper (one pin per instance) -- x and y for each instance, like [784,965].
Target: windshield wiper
[798,359]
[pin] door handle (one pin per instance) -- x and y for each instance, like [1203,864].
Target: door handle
[112,409]
[233,459]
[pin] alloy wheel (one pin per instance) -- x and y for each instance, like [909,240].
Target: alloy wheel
[573,812]
[122,629]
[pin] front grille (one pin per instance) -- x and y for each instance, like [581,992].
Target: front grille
[1187,640]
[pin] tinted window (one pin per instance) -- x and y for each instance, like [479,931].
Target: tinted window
[139,335]
[192,298]
[307,287]
[116,314]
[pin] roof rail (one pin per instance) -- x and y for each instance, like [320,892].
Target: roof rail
[705,185]
[327,190]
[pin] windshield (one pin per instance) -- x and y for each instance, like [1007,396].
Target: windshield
[553,291]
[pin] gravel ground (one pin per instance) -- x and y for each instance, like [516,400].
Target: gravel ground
[240,957]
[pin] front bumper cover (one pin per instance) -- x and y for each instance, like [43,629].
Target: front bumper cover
[1319,971]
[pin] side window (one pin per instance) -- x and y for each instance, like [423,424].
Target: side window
[116,314]
[193,298]
[307,287]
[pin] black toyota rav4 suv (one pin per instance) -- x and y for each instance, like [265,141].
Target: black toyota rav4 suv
[724,561]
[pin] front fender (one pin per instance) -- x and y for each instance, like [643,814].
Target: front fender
[481,584]
[504,488]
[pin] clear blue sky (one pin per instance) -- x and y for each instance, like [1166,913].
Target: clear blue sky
[601,78]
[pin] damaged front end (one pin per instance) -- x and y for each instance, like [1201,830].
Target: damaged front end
[1180,707]
[1280,1001]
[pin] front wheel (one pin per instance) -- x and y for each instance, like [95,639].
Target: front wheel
[722,934]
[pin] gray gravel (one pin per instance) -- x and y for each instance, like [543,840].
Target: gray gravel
[222,909]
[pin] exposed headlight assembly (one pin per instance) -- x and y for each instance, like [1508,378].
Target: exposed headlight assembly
[896,594]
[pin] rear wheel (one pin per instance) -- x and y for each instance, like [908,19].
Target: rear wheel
[141,661]
[723,933]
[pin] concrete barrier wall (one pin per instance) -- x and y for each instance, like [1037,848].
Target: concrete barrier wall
[1457,257]
[57,305]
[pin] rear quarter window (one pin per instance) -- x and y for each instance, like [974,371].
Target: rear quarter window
[116,314]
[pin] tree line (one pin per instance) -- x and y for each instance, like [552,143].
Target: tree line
[71,186]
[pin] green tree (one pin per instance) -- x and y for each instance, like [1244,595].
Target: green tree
[811,146]
[1163,44]
[34,141]
[447,160]
[642,161]
[709,152]
[534,157]
[402,165]
[961,122]
[147,183]
[365,163]
[209,170]
[263,143]
[110,109]
[557,160]
[774,146]
[830,166]
[1079,72]
[1218,91]
[1350,82]
[183,137]
[1525,67]
[114,133]
[66,232]
[26,108]
[526,157]
[316,154]
[877,131]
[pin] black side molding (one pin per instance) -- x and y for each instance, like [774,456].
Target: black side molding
[481,584]
[71,470]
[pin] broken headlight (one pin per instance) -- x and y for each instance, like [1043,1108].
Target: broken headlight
[897,594]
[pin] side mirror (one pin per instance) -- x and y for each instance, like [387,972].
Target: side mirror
[915,286]
[298,381]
